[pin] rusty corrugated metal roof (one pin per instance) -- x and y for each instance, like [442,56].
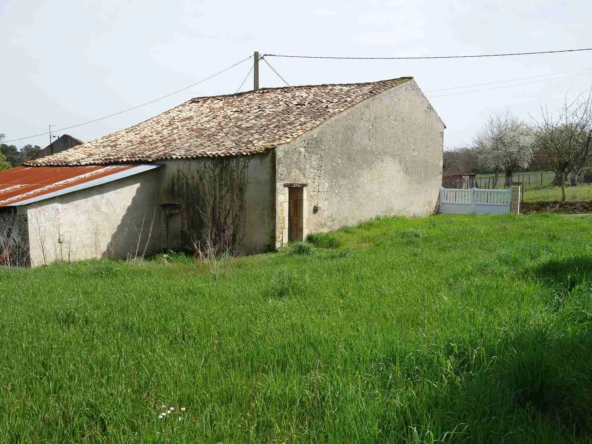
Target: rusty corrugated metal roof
[220,126]
[22,185]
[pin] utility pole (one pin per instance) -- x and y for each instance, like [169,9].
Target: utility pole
[50,140]
[256,71]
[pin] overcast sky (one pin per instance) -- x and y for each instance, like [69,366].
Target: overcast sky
[70,61]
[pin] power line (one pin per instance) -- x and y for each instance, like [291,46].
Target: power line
[246,77]
[135,107]
[345,58]
[277,73]
[510,80]
[473,56]
[508,86]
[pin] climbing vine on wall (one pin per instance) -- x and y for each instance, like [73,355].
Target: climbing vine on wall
[212,194]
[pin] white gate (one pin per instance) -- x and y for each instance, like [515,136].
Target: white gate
[474,201]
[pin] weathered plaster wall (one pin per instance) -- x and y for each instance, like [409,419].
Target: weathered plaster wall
[117,219]
[381,157]
[259,200]
[127,217]
[260,204]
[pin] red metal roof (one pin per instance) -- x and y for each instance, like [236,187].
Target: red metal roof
[24,183]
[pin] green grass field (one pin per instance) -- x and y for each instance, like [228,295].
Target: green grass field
[528,178]
[544,194]
[445,329]
[534,191]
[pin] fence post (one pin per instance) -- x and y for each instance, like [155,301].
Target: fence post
[473,200]
[515,199]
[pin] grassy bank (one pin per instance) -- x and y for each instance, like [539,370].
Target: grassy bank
[446,329]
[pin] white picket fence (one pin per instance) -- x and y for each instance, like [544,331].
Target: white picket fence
[475,201]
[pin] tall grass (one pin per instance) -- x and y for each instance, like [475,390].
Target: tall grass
[447,329]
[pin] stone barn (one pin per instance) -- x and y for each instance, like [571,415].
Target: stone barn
[244,173]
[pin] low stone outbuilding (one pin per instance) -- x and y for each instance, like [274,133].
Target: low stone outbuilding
[245,172]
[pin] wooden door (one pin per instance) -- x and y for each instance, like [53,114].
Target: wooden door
[295,214]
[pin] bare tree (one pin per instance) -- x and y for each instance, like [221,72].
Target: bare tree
[504,145]
[566,137]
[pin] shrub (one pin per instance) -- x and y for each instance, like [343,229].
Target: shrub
[324,240]
[303,247]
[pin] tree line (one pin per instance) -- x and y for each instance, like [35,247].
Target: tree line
[559,141]
[11,156]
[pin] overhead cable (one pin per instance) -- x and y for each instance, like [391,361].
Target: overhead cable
[245,79]
[135,107]
[508,86]
[273,69]
[471,56]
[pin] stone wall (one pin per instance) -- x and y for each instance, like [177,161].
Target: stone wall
[382,157]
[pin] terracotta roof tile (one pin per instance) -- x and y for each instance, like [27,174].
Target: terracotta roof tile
[231,125]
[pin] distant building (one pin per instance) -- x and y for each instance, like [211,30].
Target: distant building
[62,143]
[248,172]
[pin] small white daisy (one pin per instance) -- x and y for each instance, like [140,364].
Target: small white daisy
[183,409]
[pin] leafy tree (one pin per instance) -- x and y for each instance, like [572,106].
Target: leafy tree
[30,151]
[505,145]
[12,154]
[4,165]
[16,157]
